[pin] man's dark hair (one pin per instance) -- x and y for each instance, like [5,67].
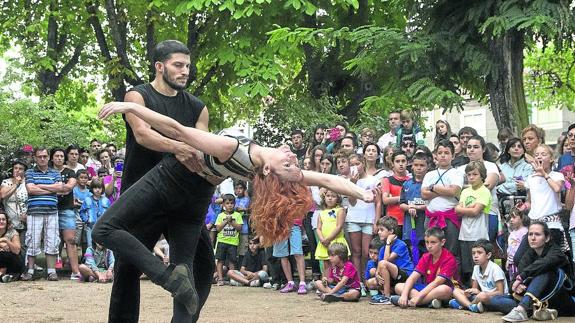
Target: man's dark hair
[468,130]
[41,148]
[94,140]
[164,50]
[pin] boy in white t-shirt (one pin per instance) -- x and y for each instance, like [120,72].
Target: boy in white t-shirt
[474,205]
[441,187]
[487,281]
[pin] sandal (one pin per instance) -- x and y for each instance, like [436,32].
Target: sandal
[6,278]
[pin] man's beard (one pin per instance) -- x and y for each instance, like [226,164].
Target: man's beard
[171,84]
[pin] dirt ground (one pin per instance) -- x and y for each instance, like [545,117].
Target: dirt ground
[42,301]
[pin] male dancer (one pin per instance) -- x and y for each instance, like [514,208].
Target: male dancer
[145,149]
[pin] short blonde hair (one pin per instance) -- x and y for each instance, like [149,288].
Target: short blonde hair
[539,132]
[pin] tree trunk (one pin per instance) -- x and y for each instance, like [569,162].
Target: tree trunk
[505,83]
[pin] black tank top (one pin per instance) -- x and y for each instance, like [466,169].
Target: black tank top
[184,108]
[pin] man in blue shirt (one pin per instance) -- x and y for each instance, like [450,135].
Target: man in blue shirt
[43,185]
[568,157]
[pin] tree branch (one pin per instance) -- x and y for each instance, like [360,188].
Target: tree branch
[72,62]
[118,33]
[92,9]
[52,41]
[150,43]
[568,77]
[206,79]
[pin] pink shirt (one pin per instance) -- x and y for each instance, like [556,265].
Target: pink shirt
[349,271]
[446,267]
[513,242]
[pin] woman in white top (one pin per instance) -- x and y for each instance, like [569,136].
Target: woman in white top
[15,197]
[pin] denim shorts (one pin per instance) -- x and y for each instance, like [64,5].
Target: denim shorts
[292,246]
[67,219]
[365,228]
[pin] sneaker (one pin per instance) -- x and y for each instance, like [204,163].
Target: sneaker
[381,300]
[233,283]
[394,300]
[7,278]
[435,303]
[453,303]
[220,282]
[330,298]
[288,288]
[180,283]
[362,289]
[310,286]
[517,314]
[53,277]
[255,283]
[267,285]
[302,290]
[318,293]
[545,315]
[75,276]
[476,308]
[26,276]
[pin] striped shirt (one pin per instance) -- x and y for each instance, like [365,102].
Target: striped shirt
[36,176]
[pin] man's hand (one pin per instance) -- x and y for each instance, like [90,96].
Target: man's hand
[190,157]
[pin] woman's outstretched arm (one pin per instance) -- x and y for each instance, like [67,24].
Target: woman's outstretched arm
[337,184]
[221,147]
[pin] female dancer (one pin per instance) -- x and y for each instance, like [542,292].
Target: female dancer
[280,193]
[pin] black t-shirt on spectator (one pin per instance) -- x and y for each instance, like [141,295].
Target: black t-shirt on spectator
[460,161]
[254,263]
[184,108]
[66,202]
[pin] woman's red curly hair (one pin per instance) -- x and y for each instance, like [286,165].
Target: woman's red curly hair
[276,205]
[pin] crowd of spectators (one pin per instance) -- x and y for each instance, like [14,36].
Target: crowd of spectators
[466,224]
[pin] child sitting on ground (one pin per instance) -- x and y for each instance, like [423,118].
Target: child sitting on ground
[488,280]
[371,267]
[254,271]
[98,264]
[228,225]
[518,222]
[342,284]
[438,267]
[394,264]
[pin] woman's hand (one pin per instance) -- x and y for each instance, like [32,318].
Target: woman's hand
[17,180]
[515,285]
[520,185]
[115,108]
